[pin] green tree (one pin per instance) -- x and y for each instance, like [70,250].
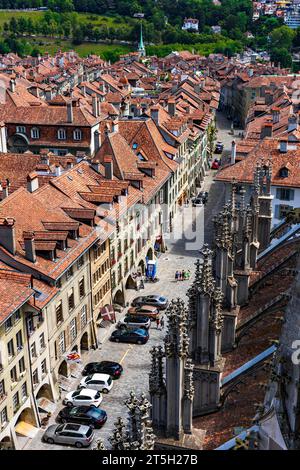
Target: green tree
[282,37]
[211,138]
[281,56]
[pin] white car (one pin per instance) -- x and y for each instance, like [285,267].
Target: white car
[101,382]
[84,396]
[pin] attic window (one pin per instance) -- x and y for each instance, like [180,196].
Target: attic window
[80,171]
[140,157]
[70,177]
[284,172]
[134,146]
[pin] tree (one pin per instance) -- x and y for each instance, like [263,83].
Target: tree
[282,37]
[211,138]
[281,56]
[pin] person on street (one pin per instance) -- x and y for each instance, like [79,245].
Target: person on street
[162,323]
[157,323]
[176,276]
[183,275]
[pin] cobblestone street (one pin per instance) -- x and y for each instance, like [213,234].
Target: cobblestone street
[135,359]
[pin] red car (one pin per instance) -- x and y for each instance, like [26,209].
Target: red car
[215,165]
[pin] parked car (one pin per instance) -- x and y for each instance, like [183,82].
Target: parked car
[197,202]
[137,336]
[158,301]
[72,434]
[148,311]
[215,165]
[104,367]
[88,415]
[84,396]
[101,382]
[135,321]
[219,147]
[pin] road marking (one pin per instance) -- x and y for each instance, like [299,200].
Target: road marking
[125,354]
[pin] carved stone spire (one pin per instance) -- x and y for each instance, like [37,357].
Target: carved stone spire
[138,435]
[206,280]
[176,340]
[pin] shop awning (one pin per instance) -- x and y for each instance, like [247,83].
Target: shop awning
[26,429]
[46,405]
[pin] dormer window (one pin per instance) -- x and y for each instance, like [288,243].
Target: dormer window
[77,134]
[141,157]
[284,172]
[61,134]
[35,133]
[21,129]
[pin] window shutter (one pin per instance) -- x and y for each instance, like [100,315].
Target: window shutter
[292,195]
[278,193]
[277,211]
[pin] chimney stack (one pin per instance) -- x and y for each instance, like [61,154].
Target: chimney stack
[69,112]
[96,165]
[283,146]
[233,152]
[57,169]
[12,85]
[96,140]
[108,166]
[172,107]
[30,253]
[4,190]
[115,126]
[94,105]
[154,113]
[32,182]
[275,115]
[8,234]
[292,123]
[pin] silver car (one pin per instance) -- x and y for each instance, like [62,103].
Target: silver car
[72,434]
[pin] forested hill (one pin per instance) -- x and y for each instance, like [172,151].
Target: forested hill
[233,15]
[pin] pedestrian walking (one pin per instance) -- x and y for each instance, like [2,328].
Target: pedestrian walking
[183,275]
[176,276]
[162,323]
[157,323]
[186,275]
[179,275]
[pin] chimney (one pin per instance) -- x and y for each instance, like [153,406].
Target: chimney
[12,85]
[69,112]
[292,123]
[283,146]
[102,87]
[4,190]
[96,140]
[154,114]
[108,166]
[32,182]
[57,169]
[94,105]
[275,115]
[96,165]
[266,130]
[8,235]
[233,152]
[69,164]
[29,246]
[172,107]
[115,126]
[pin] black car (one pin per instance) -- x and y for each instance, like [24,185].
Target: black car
[88,415]
[157,301]
[137,336]
[104,367]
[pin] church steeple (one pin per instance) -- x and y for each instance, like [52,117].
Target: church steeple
[141,48]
